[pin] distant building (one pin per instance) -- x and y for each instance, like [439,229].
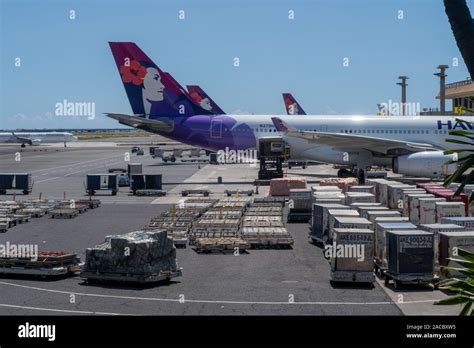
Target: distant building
[462,95]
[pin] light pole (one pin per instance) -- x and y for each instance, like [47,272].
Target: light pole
[404,85]
[442,87]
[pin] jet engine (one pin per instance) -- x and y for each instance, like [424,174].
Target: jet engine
[430,164]
[35,142]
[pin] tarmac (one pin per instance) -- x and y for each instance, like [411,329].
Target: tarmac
[260,282]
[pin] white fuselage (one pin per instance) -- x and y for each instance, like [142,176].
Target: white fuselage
[432,130]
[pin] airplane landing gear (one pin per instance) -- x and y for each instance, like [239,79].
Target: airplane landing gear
[344,173]
[23,145]
[361,176]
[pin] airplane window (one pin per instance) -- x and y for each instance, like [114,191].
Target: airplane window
[350,131]
[427,131]
[417,132]
[409,131]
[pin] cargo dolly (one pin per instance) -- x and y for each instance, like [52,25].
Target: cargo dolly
[89,276]
[93,203]
[203,192]
[299,215]
[238,192]
[64,213]
[48,264]
[220,245]
[408,278]
[147,192]
[352,277]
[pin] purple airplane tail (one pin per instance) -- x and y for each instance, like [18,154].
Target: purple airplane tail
[203,99]
[152,93]
[292,106]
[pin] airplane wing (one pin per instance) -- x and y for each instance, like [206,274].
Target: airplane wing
[351,142]
[163,125]
[22,140]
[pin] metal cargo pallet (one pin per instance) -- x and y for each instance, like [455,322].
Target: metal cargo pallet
[408,278]
[131,278]
[42,272]
[64,213]
[352,277]
[220,245]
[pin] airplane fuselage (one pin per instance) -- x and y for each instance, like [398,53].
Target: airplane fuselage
[237,132]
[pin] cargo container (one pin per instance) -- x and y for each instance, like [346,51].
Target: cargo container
[414,206]
[282,186]
[326,189]
[329,200]
[135,168]
[410,257]
[342,183]
[403,202]
[145,182]
[427,210]
[364,204]
[465,221]
[351,222]
[449,242]
[353,197]
[380,189]
[300,199]
[16,181]
[332,213]
[320,219]
[352,255]
[373,214]
[412,200]
[364,209]
[362,188]
[391,219]
[448,209]
[449,196]
[394,194]
[101,182]
[381,228]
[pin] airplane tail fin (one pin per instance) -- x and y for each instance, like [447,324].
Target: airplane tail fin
[152,93]
[291,105]
[203,99]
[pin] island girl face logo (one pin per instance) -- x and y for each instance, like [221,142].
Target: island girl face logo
[148,79]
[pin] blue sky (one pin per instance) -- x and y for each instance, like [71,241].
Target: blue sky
[70,59]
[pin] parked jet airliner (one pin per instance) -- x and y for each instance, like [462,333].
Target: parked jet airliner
[410,145]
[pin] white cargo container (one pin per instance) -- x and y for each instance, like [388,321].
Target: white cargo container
[413,212]
[329,200]
[391,219]
[353,197]
[325,189]
[373,214]
[352,255]
[362,188]
[403,203]
[394,194]
[378,188]
[437,228]
[466,221]
[363,210]
[449,242]
[332,213]
[364,204]
[448,209]
[427,210]
[320,219]
[381,228]
[351,222]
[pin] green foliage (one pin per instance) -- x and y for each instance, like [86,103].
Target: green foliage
[464,288]
[465,159]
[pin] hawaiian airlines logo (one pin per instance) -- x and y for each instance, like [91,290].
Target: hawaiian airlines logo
[203,102]
[148,78]
[454,125]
